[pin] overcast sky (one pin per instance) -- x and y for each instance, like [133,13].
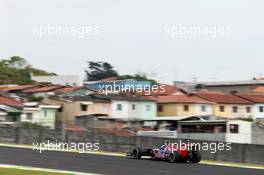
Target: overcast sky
[133,35]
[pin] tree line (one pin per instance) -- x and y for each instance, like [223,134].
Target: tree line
[16,70]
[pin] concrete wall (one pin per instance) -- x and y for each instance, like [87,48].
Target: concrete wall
[245,153]
[257,134]
[218,137]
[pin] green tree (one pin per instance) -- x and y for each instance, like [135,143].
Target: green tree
[99,70]
[16,70]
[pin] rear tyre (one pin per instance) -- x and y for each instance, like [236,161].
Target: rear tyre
[136,153]
[196,157]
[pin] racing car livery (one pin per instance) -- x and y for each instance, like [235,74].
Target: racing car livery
[167,153]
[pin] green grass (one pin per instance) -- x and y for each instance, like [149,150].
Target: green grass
[14,171]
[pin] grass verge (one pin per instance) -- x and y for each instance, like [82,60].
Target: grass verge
[14,171]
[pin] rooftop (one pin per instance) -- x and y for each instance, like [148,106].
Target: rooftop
[224,83]
[223,98]
[259,89]
[252,97]
[10,101]
[180,99]
[17,87]
[68,89]
[43,89]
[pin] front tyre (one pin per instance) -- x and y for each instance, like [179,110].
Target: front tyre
[196,157]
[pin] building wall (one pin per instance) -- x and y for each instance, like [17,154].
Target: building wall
[48,117]
[182,112]
[228,112]
[176,109]
[208,109]
[244,132]
[72,109]
[42,116]
[169,109]
[119,113]
[256,113]
[140,111]
[35,115]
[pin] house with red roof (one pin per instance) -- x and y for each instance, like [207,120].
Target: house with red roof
[228,105]
[18,88]
[74,90]
[257,107]
[10,110]
[43,91]
[40,113]
[182,105]
[258,90]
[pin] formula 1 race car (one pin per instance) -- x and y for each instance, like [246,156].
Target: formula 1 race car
[177,155]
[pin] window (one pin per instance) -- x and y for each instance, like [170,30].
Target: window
[133,107]
[29,116]
[160,108]
[84,107]
[119,107]
[233,128]
[248,109]
[148,107]
[234,109]
[221,108]
[60,109]
[186,107]
[261,109]
[45,113]
[203,108]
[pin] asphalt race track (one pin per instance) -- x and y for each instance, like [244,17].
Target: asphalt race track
[100,164]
